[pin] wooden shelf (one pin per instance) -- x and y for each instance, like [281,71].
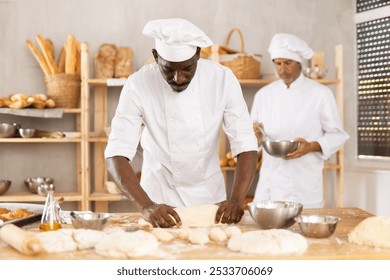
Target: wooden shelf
[28,197]
[40,140]
[104,197]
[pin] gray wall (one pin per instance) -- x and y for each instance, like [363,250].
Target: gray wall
[323,24]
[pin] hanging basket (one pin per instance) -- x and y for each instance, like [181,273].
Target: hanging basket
[64,89]
[244,65]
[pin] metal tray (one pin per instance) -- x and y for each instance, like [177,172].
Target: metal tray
[37,208]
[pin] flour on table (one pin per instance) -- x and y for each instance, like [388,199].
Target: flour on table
[373,231]
[268,242]
[197,216]
[127,244]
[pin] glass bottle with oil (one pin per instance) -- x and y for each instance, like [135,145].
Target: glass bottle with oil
[50,218]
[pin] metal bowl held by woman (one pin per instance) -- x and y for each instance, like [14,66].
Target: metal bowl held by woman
[280,148]
[96,221]
[33,183]
[274,214]
[317,226]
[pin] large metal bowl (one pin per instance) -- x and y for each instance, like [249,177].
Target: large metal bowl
[96,221]
[33,183]
[4,186]
[280,148]
[27,132]
[317,226]
[7,130]
[274,214]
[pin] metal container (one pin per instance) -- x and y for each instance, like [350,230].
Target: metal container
[4,186]
[26,132]
[274,214]
[33,183]
[280,148]
[96,221]
[317,226]
[7,130]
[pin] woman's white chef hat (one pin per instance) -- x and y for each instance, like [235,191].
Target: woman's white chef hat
[289,46]
[176,39]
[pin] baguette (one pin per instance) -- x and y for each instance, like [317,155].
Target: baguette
[61,61]
[70,58]
[47,54]
[39,57]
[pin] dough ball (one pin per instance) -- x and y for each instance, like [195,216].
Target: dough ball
[162,235]
[197,216]
[373,231]
[57,241]
[87,238]
[232,231]
[183,233]
[198,237]
[127,244]
[268,242]
[144,224]
[217,235]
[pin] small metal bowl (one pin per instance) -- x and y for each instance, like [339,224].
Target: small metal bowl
[26,132]
[7,130]
[43,188]
[4,186]
[280,148]
[33,183]
[317,226]
[96,221]
[274,214]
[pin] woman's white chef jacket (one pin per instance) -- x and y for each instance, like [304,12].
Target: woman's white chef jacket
[181,134]
[308,110]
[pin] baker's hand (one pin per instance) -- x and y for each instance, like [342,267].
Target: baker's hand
[304,148]
[161,215]
[229,212]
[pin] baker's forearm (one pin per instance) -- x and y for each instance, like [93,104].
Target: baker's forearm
[243,176]
[124,176]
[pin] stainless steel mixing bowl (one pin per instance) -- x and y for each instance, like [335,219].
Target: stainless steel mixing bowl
[27,132]
[96,221]
[4,186]
[33,183]
[274,214]
[7,130]
[317,226]
[280,148]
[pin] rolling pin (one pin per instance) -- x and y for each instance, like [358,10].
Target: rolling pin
[21,240]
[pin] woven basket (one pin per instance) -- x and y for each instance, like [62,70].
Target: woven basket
[244,65]
[64,89]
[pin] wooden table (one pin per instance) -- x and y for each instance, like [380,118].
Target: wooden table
[332,248]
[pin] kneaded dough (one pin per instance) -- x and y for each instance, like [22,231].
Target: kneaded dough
[57,241]
[182,233]
[232,231]
[197,216]
[87,238]
[217,235]
[268,242]
[127,244]
[162,235]
[198,237]
[373,231]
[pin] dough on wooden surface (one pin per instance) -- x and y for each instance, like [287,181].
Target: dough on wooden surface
[182,233]
[57,241]
[268,242]
[198,237]
[373,231]
[197,216]
[87,238]
[217,235]
[232,230]
[127,244]
[162,235]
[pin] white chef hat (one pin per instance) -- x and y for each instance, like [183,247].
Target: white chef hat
[176,39]
[289,46]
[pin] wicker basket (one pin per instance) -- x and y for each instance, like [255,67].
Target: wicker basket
[244,65]
[64,89]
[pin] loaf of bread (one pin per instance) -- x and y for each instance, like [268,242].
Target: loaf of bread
[123,62]
[105,61]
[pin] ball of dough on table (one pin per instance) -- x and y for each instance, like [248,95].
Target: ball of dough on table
[232,231]
[162,235]
[182,233]
[217,235]
[268,242]
[127,244]
[198,237]
[373,231]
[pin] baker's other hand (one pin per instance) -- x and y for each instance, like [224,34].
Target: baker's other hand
[161,215]
[229,212]
[304,148]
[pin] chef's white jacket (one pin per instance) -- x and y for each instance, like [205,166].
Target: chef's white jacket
[181,134]
[308,110]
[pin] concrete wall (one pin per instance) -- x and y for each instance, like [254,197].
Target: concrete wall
[323,24]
